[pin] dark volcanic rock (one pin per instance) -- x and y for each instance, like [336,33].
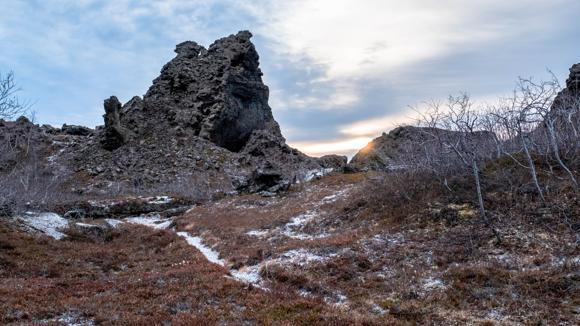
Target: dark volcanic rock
[268,178]
[571,94]
[573,81]
[217,94]
[114,135]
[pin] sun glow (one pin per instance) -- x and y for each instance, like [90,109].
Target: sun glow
[319,149]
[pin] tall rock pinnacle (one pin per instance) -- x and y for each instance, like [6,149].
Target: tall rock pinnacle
[217,94]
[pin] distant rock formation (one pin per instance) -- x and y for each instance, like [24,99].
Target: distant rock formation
[378,155]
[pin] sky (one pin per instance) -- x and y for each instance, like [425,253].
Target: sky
[340,72]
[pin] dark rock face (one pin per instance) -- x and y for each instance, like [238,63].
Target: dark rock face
[216,94]
[573,81]
[571,94]
[268,178]
[114,135]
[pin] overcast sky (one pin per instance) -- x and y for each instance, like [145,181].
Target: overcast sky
[340,72]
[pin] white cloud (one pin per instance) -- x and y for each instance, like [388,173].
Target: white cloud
[373,39]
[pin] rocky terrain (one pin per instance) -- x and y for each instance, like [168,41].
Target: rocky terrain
[203,127]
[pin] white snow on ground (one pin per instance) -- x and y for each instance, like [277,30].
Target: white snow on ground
[248,274]
[258,233]
[113,223]
[380,310]
[69,321]
[335,197]
[101,203]
[159,200]
[342,299]
[292,229]
[206,251]
[86,225]
[298,256]
[149,200]
[46,223]
[154,222]
[430,283]
[55,156]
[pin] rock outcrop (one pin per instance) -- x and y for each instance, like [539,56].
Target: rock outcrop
[114,135]
[573,81]
[216,94]
[204,123]
[378,155]
[570,95]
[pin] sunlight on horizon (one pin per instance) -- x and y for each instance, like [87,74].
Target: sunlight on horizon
[342,147]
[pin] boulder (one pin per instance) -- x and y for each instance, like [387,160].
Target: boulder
[48,129]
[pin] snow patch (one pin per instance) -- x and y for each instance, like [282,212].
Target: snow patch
[292,229]
[46,223]
[298,256]
[159,200]
[87,225]
[258,233]
[248,274]
[113,223]
[69,321]
[154,222]
[430,283]
[206,251]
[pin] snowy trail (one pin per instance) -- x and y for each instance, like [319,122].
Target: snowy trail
[248,274]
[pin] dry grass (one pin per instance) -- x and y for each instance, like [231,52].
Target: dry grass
[396,261]
[135,276]
[362,254]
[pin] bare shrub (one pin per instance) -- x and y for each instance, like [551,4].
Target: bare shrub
[10,105]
